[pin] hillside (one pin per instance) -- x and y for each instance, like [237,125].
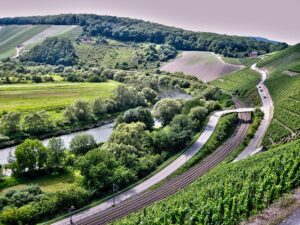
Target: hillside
[176,108]
[126,29]
[284,87]
[206,66]
[14,39]
[12,36]
[230,193]
[241,84]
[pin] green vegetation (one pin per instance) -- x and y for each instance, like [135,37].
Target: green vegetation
[52,97]
[257,117]
[123,56]
[241,84]
[285,91]
[48,183]
[245,188]
[241,61]
[225,128]
[13,36]
[72,34]
[53,51]
[295,68]
[125,29]
[106,55]
[73,81]
[281,59]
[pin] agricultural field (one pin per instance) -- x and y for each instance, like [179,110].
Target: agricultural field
[241,83]
[285,91]
[12,36]
[206,66]
[52,97]
[28,36]
[246,188]
[69,32]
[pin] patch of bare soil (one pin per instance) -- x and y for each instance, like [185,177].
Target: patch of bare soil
[206,66]
[278,211]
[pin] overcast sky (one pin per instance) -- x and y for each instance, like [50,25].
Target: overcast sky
[274,19]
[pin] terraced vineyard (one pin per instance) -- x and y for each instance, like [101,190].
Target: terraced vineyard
[54,31]
[285,91]
[28,36]
[241,83]
[246,188]
[12,36]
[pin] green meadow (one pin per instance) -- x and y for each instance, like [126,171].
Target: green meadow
[52,97]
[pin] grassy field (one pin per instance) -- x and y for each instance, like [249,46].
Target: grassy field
[295,68]
[285,91]
[52,97]
[12,36]
[50,183]
[204,65]
[243,83]
[241,61]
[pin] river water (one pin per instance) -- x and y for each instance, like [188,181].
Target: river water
[102,133]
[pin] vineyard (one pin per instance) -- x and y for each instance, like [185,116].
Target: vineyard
[285,91]
[11,37]
[241,83]
[246,188]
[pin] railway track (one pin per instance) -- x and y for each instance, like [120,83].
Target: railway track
[169,187]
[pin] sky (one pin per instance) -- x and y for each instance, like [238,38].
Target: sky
[273,19]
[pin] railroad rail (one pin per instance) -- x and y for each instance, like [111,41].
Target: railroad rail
[169,187]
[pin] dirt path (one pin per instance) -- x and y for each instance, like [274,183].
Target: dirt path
[285,127]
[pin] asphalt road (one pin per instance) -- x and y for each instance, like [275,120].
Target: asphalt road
[268,109]
[293,219]
[164,173]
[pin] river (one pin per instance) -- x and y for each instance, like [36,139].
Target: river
[102,133]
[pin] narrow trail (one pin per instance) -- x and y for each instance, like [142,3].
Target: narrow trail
[138,197]
[267,108]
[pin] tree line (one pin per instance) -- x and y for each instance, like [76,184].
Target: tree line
[126,29]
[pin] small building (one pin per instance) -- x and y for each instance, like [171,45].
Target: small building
[253,54]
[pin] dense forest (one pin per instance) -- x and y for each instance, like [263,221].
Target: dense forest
[126,29]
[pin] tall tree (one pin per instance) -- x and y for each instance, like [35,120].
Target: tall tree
[165,110]
[10,123]
[30,155]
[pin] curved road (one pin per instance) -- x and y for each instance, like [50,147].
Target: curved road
[268,108]
[137,197]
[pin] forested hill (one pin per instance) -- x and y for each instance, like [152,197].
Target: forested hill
[126,29]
